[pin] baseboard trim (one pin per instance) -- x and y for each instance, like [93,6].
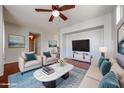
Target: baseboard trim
[11,62]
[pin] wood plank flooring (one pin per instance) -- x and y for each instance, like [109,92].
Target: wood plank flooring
[9,69]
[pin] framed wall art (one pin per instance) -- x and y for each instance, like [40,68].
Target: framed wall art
[15,41]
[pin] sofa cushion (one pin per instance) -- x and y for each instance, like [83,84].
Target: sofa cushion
[112,60]
[89,82]
[100,61]
[31,63]
[51,59]
[94,72]
[110,80]
[116,68]
[105,67]
[30,57]
[47,54]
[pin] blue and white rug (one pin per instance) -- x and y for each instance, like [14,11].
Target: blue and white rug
[28,81]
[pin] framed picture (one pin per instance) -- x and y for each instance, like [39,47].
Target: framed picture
[52,43]
[121,39]
[15,41]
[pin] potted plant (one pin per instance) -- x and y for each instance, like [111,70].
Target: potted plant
[61,62]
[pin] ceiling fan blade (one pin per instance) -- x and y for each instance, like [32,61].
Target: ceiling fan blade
[55,7]
[43,10]
[66,7]
[51,18]
[63,17]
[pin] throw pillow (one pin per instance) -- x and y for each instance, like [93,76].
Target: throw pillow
[105,67]
[30,57]
[100,61]
[47,54]
[24,56]
[110,80]
[116,68]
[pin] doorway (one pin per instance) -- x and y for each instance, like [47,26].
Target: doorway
[34,42]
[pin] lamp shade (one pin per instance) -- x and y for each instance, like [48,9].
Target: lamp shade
[103,49]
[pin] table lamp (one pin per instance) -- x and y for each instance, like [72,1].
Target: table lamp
[103,50]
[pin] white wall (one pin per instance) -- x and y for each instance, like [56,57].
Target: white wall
[105,20]
[12,54]
[96,38]
[46,37]
[1,41]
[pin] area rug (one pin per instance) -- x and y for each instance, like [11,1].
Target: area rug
[27,80]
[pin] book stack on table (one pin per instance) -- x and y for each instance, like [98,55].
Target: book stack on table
[48,70]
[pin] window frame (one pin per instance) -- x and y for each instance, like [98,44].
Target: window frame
[119,13]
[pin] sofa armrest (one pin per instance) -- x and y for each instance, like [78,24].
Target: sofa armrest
[44,59]
[21,63]
[40,59]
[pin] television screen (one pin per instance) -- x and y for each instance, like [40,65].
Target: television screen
[81,45]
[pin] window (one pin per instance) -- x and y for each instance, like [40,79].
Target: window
[118,13]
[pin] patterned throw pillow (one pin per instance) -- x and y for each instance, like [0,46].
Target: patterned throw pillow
[105,67]
[100,61]
[110,80]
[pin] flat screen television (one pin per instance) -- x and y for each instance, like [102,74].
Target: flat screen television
[81,45]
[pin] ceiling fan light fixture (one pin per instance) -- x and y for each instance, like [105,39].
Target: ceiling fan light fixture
[55,13]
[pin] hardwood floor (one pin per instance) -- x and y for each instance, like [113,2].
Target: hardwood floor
[12,68]
[9,69]
[79,64]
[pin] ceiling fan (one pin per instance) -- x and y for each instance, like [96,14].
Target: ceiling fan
[56,11]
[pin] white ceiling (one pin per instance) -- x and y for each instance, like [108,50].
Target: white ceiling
[26,16]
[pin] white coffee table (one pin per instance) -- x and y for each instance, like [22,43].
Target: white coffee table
[50,80]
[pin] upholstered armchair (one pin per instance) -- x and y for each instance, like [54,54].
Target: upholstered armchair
[49,60]
[28,65]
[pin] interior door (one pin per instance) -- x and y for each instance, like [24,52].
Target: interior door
[34,42]
[31,42]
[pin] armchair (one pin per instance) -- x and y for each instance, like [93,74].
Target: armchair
[28,65]
[49,60]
